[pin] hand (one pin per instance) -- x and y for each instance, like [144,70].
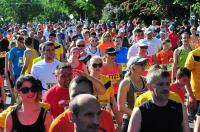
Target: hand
[191,103]
[79,72]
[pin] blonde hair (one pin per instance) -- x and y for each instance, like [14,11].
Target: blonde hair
[103,36]
[94,58]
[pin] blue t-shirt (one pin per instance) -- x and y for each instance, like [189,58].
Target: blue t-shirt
[121,57]
[16,56]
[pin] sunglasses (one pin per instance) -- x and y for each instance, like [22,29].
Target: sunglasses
[112,54]
[26,90]
[97,65]
[144,47]
[80,45]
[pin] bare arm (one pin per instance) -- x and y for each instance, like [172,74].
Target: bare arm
[135,121]
[99,88]
[185,124]
[197,124]
[122,95]
[48,121]
[9,125]
[175,65]
[10,69]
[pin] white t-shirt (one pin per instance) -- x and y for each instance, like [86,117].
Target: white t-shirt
[132,51]
[45,72]
[154,45]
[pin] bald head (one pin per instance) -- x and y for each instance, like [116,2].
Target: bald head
[86,111]
[80,85]
[81,100]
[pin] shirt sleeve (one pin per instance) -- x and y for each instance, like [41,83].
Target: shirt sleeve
[189,61]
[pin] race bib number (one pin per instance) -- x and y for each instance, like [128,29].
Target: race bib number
[3,54]
[105,106]
[114,77]
[20,62]
[124,67]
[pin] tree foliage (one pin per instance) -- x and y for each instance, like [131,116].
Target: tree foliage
[52,10]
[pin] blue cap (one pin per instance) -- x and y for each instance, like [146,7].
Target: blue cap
[171,27]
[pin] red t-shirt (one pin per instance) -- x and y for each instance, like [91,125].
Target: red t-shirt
[180,92]
[164,57]
[62,123]
[174,39]
[58,98]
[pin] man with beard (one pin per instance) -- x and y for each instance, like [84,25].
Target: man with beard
[58,95]
[85,110]
[159,114]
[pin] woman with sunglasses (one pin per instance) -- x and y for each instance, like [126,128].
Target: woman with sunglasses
[130,87]
[95,69]
[28,116]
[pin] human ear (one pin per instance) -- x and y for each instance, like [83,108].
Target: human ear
[71,116]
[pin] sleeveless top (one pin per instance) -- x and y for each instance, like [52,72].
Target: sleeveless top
[113,75]
[38,126]
[96,53]
[33,56]
[161,119]
[132,93]
[182,56]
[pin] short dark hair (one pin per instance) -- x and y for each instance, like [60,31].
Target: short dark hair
[166,41]
[48,43]
[63,66]
[138,30]
[118,37]
[28,41]
[37,84]
[81,79]
[183,72]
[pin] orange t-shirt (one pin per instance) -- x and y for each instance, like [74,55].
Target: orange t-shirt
[62,123]
[164,57]
[180,92]
[104,46]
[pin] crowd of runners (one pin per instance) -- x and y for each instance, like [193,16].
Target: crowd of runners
[105,77]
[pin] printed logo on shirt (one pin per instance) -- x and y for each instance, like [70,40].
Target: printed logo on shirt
[114,77]
[3,54]
[105,106]
[20,62]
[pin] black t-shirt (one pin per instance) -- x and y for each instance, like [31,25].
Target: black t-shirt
[3,50]
[161,119]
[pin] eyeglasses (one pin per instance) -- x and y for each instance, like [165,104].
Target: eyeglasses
[97,65]
[26,90]
[144,47]
[80,45]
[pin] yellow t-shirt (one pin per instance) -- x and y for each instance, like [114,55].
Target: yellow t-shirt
[105,99]
[193,41]
[59,51]
[193,64]
[148,95]
[32,53]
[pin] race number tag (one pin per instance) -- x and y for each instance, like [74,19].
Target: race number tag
[20,62]
[105,106]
